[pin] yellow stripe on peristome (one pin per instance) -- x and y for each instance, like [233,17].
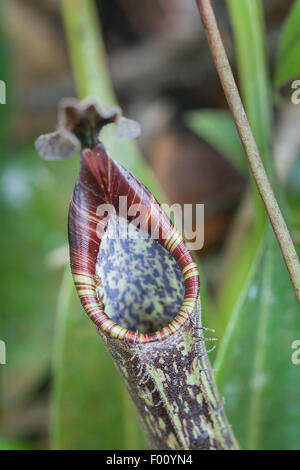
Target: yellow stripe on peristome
[90,306]
[188,302]
[158,336]
[83,278]
[189,266]
[116,331]
[93,315]
[168,240]
[86,291]
[89,310]
[107,324]
[141,337]
[174,237]
[191,274]
[167,329]
[172,326]
[122,333]
[184,312]
[175,244]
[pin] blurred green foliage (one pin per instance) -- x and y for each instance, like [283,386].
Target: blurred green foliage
[254,367]
[287,64]
[292,190]
[92,408]
[30,202]
[14,445]
[218,128]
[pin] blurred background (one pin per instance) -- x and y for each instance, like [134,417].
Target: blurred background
[161,69]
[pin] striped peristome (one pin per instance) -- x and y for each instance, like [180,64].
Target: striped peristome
[162,357]
[98,169]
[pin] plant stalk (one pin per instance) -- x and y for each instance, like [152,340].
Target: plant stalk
[88,56]
[255,162]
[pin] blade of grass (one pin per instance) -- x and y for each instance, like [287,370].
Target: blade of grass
[287,65]
[248,27]
[249,34]
[86,50]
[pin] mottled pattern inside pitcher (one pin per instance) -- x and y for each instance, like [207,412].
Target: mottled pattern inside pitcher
[140,283]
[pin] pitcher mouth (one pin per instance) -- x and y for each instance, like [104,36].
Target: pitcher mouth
[87,286]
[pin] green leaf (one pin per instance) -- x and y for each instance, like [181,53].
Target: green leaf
[255,371]
[288,59]
[292,188]
[247,22]
[91,408]
[258,305]
[5,74]
[14,445]
[218,129]
[249,33]
[248,26]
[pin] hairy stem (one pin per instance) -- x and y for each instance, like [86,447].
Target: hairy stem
[255,162]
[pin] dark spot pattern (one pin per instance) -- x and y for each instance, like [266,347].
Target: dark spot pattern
[141,283]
